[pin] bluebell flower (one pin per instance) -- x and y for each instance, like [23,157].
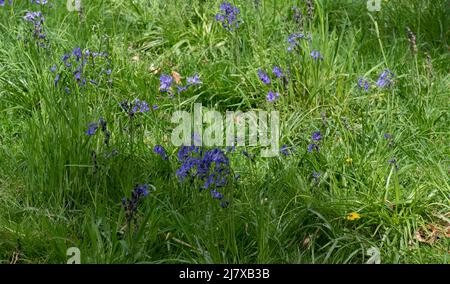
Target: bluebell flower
[388,136]
[228,16]
[216,195]
[294,40]
[165,83]
[278,72]
[315,54]
[43,2]
[58,76]
[316,136]
[155,107]
[131,205]
[312,147]
[285,150]
[385,78]
[92,128]
[271,96]
[263,77]
[194,80]
[158,149]
[363,83]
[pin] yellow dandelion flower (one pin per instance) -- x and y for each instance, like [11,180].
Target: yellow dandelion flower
[349,160]
[353,216]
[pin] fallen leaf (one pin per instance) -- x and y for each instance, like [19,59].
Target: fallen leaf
[176,76]
[136,58]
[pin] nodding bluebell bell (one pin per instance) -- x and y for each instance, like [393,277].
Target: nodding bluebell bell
[285,150]
[158,149]
[394,162]
[264,77]
[312,147]
[294,40]
[315,54]
[363,84]
[131,205]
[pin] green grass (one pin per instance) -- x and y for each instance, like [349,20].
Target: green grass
[53,196]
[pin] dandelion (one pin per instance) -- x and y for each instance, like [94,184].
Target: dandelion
[315,54]
[271,96]
[353,216]
[349,160]
[158,149]
[263,77]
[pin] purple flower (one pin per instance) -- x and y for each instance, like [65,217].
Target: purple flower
[263,77]
[316,55]
[2,2]
[278,72]
[316,136]
[158,149]
[293,40]
[363,83]
[385,79]
[316,176]
[216,195]
[228,16]
[165,83]
[271,96]
[140,106]
[53,68]
[155,107]
[43,2]
[285,150]
[92,129]
[58,76]
[312,147]
[193,80]
[388,136]
[131,205]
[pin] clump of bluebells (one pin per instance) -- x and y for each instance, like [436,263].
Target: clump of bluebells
[37,30]
[82,67]
[209,167]
[295,39]
[315,139]
[166,82]
[130,205]
[385,78]
[135,106]
[228,16]
[316,55]
[265,79]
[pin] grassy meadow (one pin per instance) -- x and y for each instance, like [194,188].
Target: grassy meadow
[87,97]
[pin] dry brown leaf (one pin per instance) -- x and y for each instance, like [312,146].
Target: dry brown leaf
[176,76]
